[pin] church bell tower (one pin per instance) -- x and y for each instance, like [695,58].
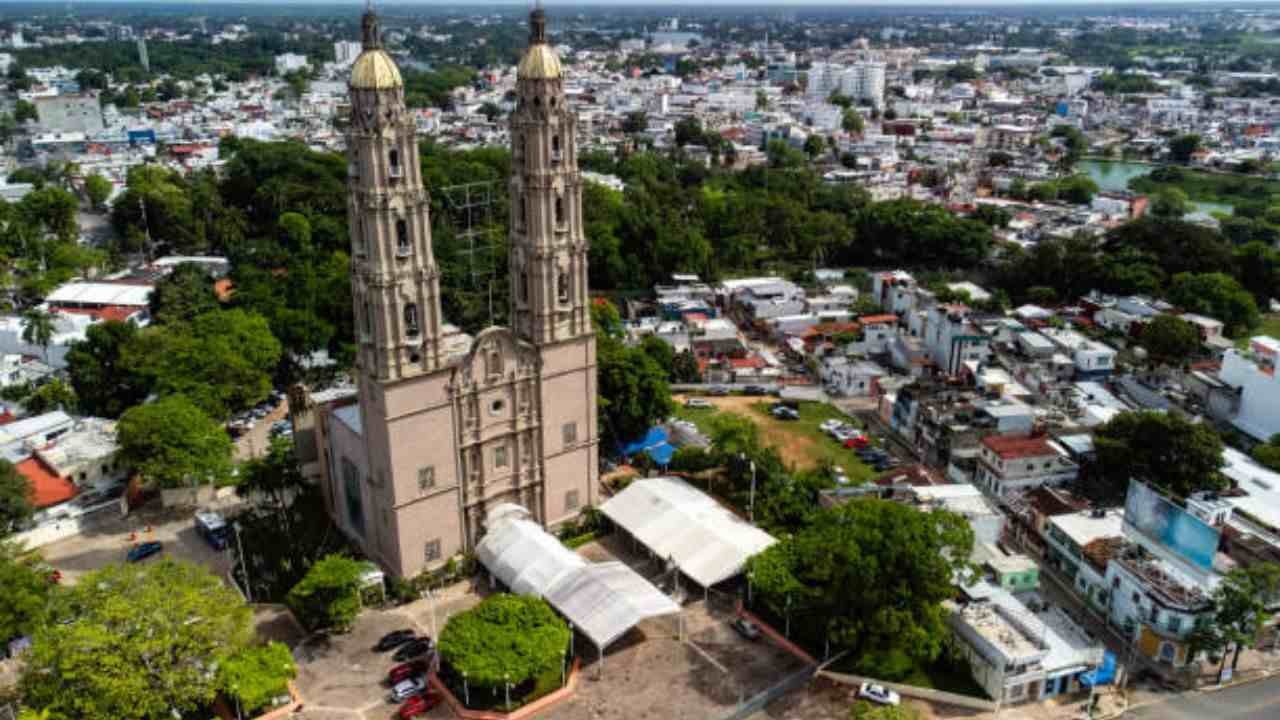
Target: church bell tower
[395,283]
[548,248]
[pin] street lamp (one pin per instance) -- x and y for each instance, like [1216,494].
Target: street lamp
[751,503]
[466,689]
[562,667]
[788,615]
[244,566]
[506,688]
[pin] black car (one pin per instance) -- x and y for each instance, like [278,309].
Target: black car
[755,390]
[415,649]
[394,639]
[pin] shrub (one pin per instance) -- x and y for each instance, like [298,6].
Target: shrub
[257,675]
[329,595]
[515,636]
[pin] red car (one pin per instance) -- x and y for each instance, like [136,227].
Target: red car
[858,441]
[404,671]
[419,704]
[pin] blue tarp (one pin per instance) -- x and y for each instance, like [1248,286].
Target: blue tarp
[1104,674]
[654,444]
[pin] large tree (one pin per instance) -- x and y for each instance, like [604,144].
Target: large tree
[38,328]
[104,385]
[1217,295]
[15,499]
[505,637]
[174,444]
[27,591]
[98,189]
[1240,606]
[1164,449]
[328,596]
[182,295]
[139,642]
[870,576]
[1170,340]
[222,360]
[1182,147]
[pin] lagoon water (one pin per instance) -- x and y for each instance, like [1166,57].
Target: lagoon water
[1115,176]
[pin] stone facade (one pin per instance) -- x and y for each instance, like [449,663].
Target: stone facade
[446,426]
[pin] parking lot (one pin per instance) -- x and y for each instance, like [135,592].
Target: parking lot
[341,677]
[649,673]
[110,538]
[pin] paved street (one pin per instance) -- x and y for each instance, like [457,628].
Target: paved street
[1254,701]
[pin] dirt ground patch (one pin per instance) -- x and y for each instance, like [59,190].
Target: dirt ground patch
[795,449]
[825,700]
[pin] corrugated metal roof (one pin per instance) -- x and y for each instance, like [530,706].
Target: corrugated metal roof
[680,523]
[603,600]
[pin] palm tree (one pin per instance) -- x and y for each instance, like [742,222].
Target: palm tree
[38,329]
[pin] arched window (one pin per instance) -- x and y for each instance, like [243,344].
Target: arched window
[524,213]
[393,161]
[402,237]
[522,285]
[493,362]
[368,319]
[359,240]
[555,148]
[559,210]
[411,320]
[562,286]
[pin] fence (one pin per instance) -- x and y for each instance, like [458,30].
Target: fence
[757,702]
[937,696]
[50,532]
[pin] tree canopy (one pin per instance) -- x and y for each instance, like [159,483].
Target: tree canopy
[1170,340]
[505,636]
[871,574]
[139,643]
[24,603]
[1164,449]
[105,385]
[328,596]
[15,499]
[174,444]
[257,675]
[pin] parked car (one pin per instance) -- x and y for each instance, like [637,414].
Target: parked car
[404,671]
[419,705]
[697,403]
[281,428]
[745,628]
[717,390]
[407,688]
[782,412]
[878,694]
[830,425]
[394,639]
[414,649]
[755,390]
[858,441]
[142,551]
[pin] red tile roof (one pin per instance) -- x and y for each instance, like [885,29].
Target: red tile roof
[746,362]
[870,319]
[47,488]
[1011,447]
[107,312]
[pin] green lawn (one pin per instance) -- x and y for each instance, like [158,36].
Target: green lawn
[800,442]
[1270,326]
[1216,187]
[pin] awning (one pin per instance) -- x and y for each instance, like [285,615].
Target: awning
[1104,674]
[655,444]
[602,600]
[683,525]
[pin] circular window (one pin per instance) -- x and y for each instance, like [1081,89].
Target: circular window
[497,406]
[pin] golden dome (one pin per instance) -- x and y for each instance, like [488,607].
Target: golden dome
[375,70]
[539,63]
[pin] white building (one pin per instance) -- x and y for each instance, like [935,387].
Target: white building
[864,81]
[1018,655]
[1093,360]
[848,377]
[824,79]
[290,62]
[1254,372]
[345,52]
[1009,464]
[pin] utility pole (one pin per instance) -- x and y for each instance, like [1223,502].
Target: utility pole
[248,587]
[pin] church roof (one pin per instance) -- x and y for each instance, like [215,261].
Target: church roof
[539,63]
[375,70]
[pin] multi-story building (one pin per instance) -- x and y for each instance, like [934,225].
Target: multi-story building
[1253,373]
[289,62]
[864,81]
[71,113]
[446,426]
[1009,464]
[345,52]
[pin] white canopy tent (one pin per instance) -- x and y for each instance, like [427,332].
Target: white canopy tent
[602,600]
[680,523]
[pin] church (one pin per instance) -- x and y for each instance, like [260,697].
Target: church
[445,426]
